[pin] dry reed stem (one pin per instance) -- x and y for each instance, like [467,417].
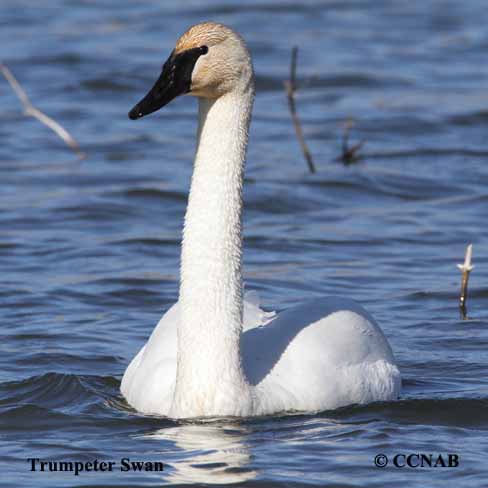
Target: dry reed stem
[465,269]
[32,111]
[349,154]
[290,88]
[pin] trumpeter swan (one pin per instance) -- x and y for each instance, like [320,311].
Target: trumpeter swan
[213,353]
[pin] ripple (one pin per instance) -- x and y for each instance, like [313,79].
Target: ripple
[436,412]
[106,84]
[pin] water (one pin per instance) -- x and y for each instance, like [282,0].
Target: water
[89,250]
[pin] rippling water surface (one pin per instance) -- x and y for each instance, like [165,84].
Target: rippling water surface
[89,250]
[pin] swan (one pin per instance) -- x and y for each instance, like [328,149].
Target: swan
[215,353]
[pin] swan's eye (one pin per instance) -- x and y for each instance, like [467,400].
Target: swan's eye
[204,50]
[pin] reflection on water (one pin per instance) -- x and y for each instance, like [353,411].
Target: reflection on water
[213,453]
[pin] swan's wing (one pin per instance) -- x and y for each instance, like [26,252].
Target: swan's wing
[253,314]
[323,354]
[148,382]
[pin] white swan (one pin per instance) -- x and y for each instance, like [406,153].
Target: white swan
[211,354]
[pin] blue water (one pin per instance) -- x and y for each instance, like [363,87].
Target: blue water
[89,250]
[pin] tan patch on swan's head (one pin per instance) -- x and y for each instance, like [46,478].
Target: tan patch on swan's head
[224,67]
[205,34]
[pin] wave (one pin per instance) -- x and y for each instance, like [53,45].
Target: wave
[57,397]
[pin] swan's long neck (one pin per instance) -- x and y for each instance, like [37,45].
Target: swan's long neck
[210,379]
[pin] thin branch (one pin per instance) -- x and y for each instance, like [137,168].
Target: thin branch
[465,269]
[29,109]
[349,154]
[290,88]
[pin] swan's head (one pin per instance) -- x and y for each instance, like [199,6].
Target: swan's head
[209,60]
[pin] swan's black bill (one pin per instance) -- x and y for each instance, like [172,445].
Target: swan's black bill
[175,80]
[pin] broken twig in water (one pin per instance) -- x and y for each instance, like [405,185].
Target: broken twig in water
[29,109]
[349,154]
[290,88]
[465,269]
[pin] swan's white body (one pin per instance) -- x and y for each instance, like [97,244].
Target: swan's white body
[295,361]
[204,358]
